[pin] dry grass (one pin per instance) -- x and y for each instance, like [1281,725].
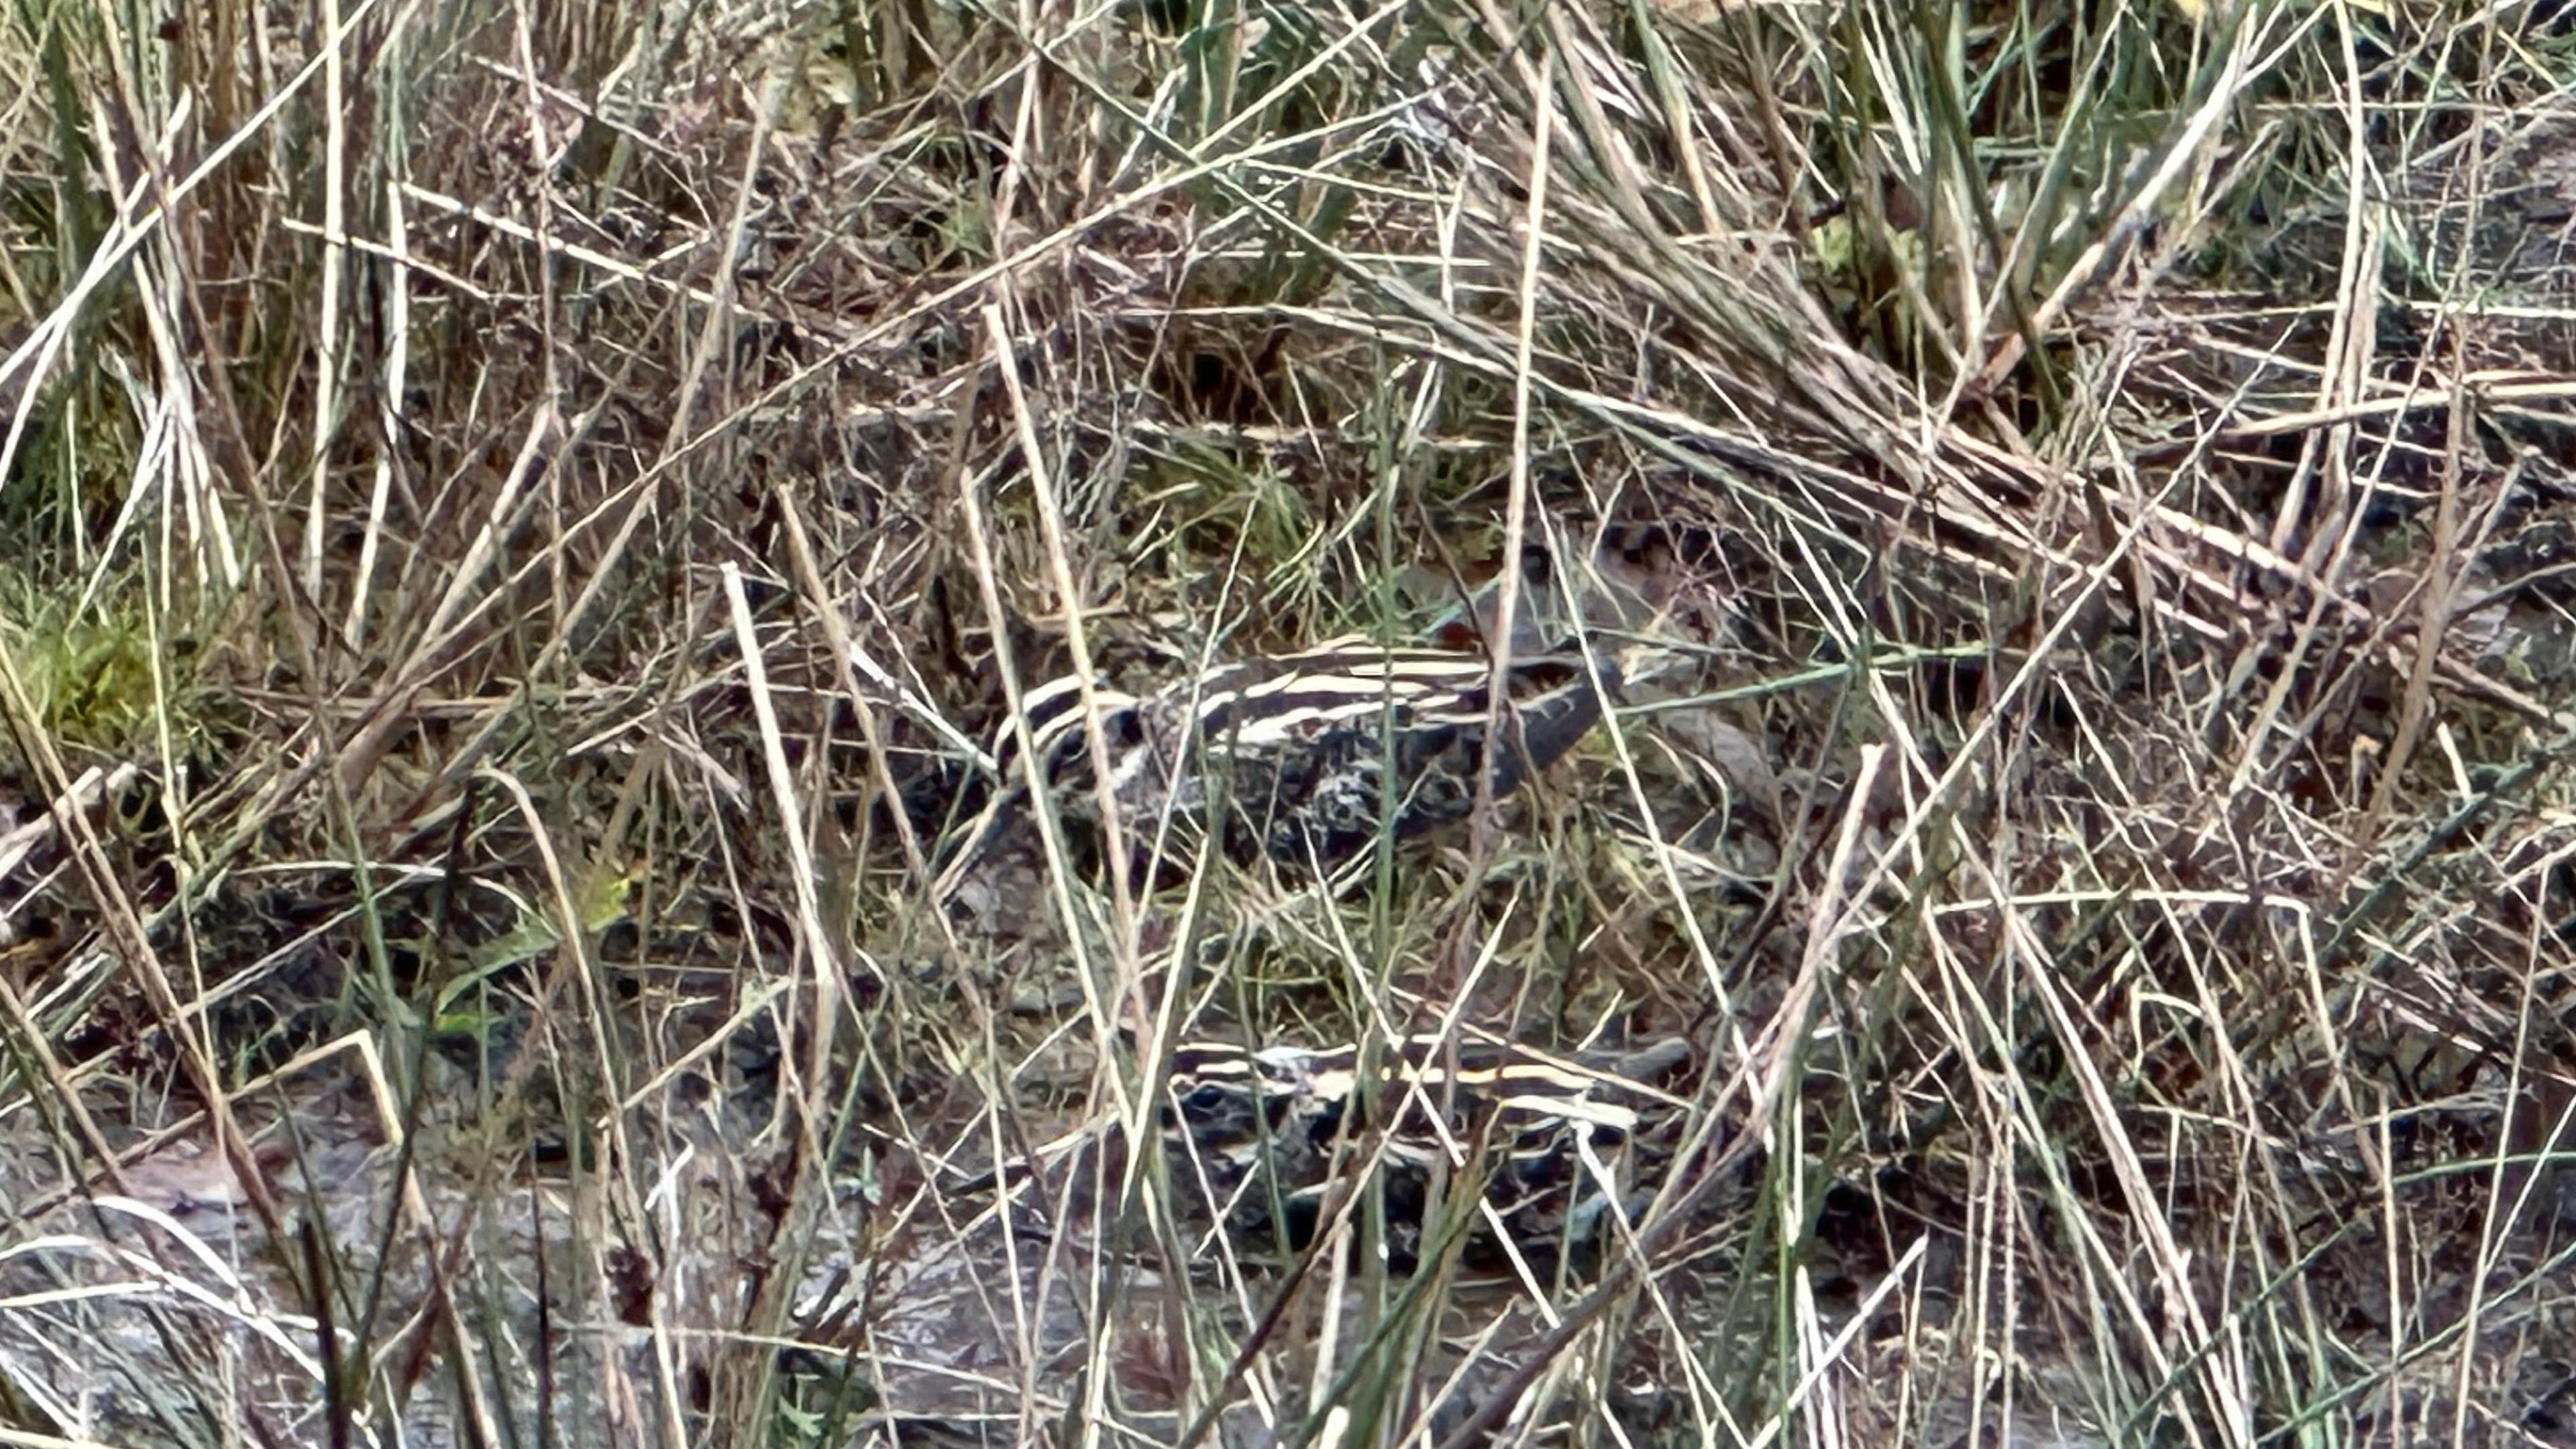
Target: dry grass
[496,497]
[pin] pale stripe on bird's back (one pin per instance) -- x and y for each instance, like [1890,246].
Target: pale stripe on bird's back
[1431,706]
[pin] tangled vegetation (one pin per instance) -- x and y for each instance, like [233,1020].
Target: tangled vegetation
[503,508]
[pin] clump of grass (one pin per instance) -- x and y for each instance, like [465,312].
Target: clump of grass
[99,680]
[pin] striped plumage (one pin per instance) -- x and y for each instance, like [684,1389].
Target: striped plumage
[1251,1135]
[1260,1142]
[1292,755]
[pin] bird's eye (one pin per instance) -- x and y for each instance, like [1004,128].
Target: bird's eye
[1205,1101]
[1124,729]
[1327,1124]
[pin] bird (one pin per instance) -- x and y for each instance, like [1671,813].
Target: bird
[1250,1134]
[1296,758]
[1252,1139]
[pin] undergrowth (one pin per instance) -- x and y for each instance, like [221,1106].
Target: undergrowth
[501,503]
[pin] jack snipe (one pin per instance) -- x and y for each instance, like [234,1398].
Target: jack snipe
[1296,757]
[1252,1136]
[1261,1143]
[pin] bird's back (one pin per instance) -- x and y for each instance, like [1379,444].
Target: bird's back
[1298,757]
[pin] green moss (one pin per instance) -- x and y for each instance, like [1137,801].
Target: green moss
[89,672]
